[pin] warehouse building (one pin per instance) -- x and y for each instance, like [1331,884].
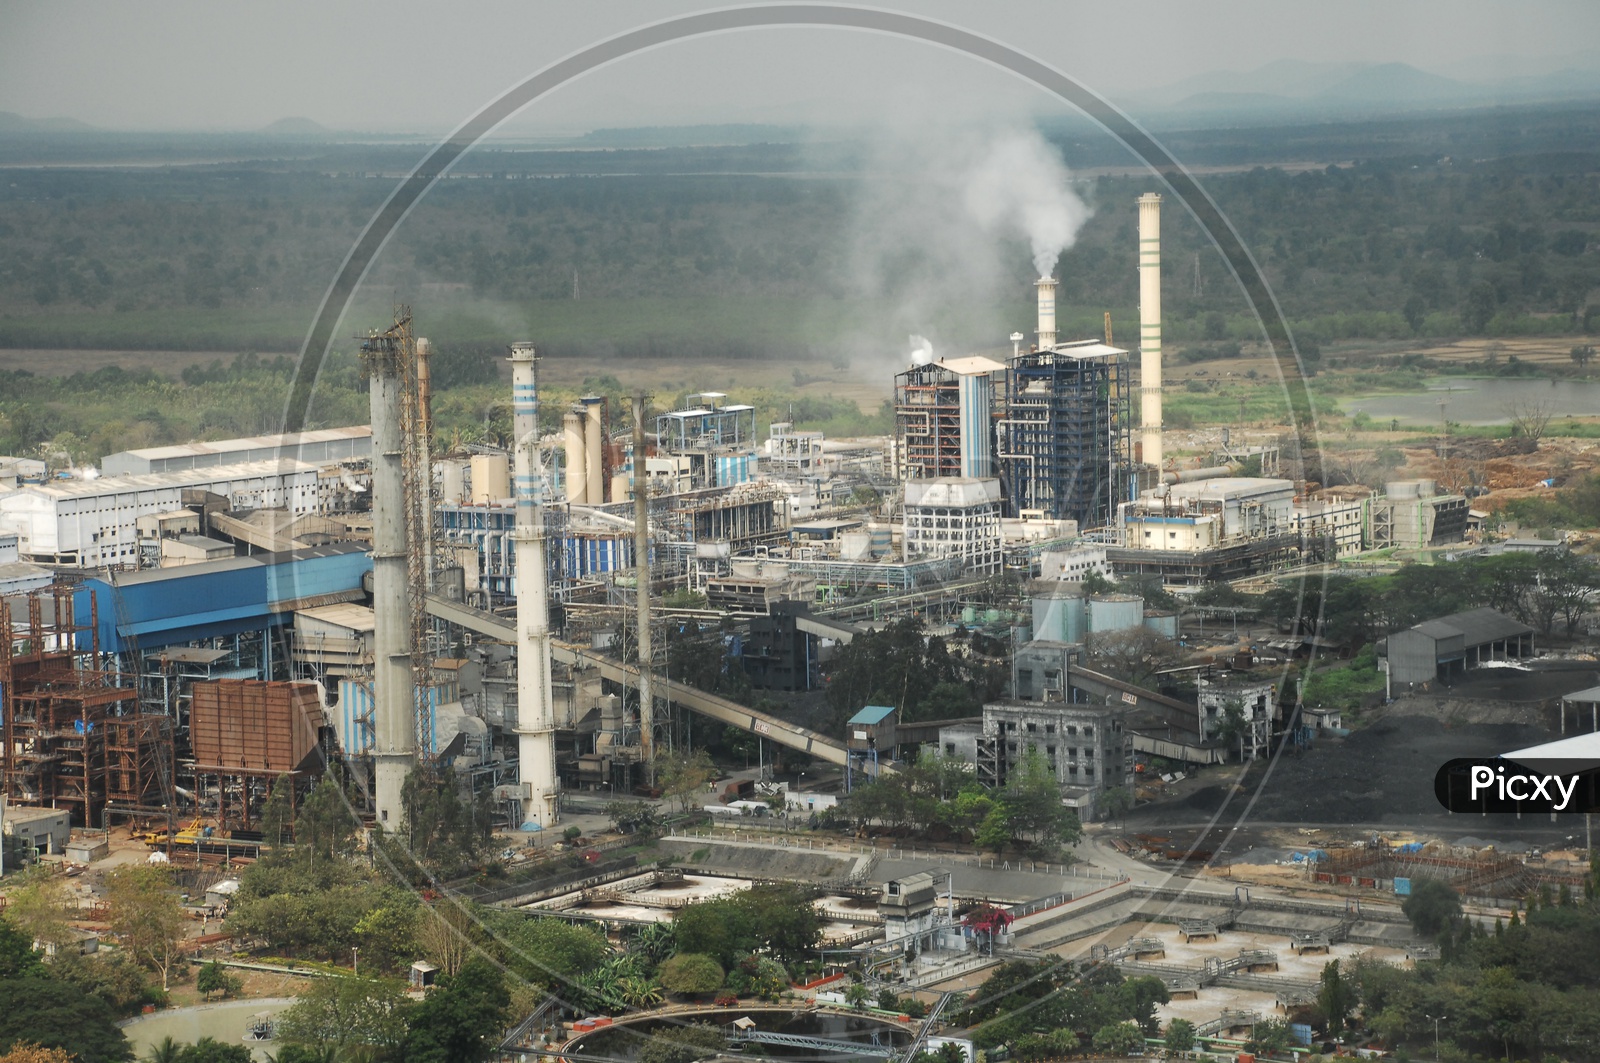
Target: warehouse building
[95,522]
[326,446]
[1448,646]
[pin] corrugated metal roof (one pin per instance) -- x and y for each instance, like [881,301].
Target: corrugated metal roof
[1475,626]
[146,481]
[872,714]
[972,365]
[224,446]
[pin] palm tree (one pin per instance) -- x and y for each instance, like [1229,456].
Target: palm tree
[639,992]
[164,1051]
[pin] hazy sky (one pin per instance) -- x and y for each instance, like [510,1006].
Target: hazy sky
[425,66]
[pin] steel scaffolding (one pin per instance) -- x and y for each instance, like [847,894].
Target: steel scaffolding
[1066,437]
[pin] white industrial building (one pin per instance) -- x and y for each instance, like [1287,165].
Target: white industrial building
[1336,514]
[1074,563]
[1255,700]
[1206,514]
[324,446]
[955,517]
[96,522]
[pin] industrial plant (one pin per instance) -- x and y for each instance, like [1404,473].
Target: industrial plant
[192,623]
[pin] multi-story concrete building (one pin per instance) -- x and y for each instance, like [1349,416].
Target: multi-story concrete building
[1256,702]
[1088,748]
[955,517]
[1336,516]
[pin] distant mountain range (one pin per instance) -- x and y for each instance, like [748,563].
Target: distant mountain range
[15,123]
[1290,86]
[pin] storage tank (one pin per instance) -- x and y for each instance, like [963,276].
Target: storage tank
[1162,622]
[452,482]
[491,478]
[882,542]
[1059,616]
[1115,612]
[1401,488]
[969,615]
[1427,488]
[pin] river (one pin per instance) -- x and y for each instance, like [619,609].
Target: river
[1478,401]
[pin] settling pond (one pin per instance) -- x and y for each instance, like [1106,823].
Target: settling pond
[1478,402]
[624,1041]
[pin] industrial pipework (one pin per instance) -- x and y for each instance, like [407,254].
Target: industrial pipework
[394,729]
[1047,312]
[1150,327]
[536,746]
[641,590]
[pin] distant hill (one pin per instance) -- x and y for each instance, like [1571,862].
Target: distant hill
[296,127]
[11,122]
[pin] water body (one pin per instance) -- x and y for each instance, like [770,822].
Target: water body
[624,1042]
[1474,401]
[224,1021]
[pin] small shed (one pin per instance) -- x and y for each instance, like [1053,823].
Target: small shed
[221,894]
[872,729]
[423,975]
[44,830]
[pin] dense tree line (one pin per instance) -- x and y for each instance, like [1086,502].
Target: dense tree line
[938,796]
[1549,591]
[919,674]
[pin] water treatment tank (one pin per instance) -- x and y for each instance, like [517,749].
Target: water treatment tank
[1115,612]
[1058,615]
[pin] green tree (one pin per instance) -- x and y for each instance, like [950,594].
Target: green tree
[210,1050]
[1433,907]
[682,1044]
[277,816]
[1270,1036]
[545,951]
[54,1014]
[214,978]
[38,908]
[857,995]
[461,1021]
[345,1013]
[691,974]
[682,774]
[1180,1036]
[1118,1039]
[327,824]
[146,916]
[1336,997]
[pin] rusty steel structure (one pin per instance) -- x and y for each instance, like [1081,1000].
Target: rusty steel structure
[75,734]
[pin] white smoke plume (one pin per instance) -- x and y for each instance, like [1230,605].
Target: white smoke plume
[949,227]
[1019,184]
[921,350]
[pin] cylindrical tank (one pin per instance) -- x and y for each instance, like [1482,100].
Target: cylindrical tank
[593,437]
[572,444]
[1115,612]
[1427,488]
[491,478]
[991,616]
[1059,616]
[1401,488]
[882,542]
[969,615]
[1162,623]
[453,482]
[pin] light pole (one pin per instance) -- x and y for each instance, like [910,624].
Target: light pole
[1436,1022]
[355,960]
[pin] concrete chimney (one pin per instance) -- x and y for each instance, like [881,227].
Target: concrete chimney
[572,446]
[424,445]
[536,745]
[593,444]
[1047,312]
[1150,327]
[394,727]
[641,563]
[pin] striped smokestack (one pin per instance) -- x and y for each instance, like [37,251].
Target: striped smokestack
[536,746]
[1150,326]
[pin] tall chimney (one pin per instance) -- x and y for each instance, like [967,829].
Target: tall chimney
[1150,327]
[593,444]
[394,728]
[1047,312]
[536,746]
[424,445]
[572,444]
[641,568]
